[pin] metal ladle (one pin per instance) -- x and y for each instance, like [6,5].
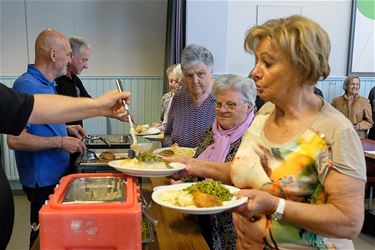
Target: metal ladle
[132,130]
[135,146]
[106,142]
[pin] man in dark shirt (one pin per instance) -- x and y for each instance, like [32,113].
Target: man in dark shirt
[70,84]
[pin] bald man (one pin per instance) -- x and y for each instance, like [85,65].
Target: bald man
[42,151]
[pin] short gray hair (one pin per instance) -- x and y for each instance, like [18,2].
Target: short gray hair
[193,54]
[347,81]
[77,43]
[244,85]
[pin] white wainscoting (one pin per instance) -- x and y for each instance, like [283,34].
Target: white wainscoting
[145,107]
[146,96]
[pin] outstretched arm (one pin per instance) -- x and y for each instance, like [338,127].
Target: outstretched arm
[50,109]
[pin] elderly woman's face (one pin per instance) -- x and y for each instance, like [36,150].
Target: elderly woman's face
[174,82]
[274,74]
[231,110]
[198,79]
[353,87]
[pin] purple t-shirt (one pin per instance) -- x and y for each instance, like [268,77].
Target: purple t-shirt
[187,122]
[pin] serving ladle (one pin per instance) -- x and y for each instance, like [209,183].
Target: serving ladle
[132,130]
[135,146]
[106,142]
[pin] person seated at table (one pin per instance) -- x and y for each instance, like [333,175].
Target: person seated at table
[193,107]
[300,163]
[175,79]
[355,107]
[235,102]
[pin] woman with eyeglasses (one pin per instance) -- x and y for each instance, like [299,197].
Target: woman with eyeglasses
[234,109]
[192,109]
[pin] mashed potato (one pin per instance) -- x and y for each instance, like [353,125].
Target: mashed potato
[134,163]
[177,198]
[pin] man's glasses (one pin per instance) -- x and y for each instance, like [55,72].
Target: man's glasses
[227,105]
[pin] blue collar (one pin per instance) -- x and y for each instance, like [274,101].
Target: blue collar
[37,74]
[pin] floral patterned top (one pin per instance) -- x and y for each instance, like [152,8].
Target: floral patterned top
[297,169]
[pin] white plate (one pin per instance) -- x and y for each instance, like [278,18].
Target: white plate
[158,137]
[235,202]
[129,169]
[151,131]
[190,151]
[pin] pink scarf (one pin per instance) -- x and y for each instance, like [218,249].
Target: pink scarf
[217,152]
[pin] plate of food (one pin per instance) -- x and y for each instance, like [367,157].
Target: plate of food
[174,151]
[147,165]
[205,197]
[145,129]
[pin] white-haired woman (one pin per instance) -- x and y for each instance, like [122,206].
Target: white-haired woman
[235,102]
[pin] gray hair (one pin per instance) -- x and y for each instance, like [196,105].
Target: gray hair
[242,84]
[347,81]
[77,43]
[194,54]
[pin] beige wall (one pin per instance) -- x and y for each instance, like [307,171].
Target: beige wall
[127,37]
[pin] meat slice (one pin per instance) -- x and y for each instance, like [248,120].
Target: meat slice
[205,200]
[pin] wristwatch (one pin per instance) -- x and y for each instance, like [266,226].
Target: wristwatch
[278,214]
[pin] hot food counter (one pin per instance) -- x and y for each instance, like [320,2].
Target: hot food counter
[173,230]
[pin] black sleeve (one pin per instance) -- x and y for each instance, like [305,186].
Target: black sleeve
[84,92]
[15,110]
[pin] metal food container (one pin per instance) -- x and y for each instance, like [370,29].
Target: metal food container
[108,141]
[92,211]
[96,189]
[87,163]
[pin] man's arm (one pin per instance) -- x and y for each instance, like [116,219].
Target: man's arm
[29,142]
[52,109]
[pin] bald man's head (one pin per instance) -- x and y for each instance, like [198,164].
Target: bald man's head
[47,40]
[53,51]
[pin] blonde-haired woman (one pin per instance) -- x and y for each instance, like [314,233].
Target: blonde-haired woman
[300,163]
[355,107]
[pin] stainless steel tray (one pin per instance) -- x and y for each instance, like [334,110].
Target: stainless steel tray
[115,141]
[96,190]
[87,159]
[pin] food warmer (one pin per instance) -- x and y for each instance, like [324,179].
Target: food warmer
[88,161]
[92,211]
[108,141]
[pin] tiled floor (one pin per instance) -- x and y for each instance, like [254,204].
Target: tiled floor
[19,240]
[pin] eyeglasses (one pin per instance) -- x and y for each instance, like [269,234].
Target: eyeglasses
[227,105]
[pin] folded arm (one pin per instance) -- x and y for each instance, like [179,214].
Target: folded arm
[29,142]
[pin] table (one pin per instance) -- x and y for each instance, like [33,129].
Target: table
[174,230]
[369,145]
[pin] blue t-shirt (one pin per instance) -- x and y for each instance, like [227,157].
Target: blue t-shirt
[45,167]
